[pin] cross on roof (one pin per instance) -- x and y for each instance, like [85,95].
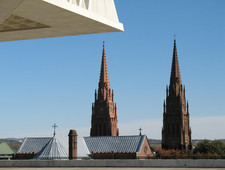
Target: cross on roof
[140,131]
[54,126]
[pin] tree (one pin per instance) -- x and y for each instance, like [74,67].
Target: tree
[213,147]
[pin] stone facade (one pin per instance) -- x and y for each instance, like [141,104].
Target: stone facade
[145,150]
[176,131]
[104,111]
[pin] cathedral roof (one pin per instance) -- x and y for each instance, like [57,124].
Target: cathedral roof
[115,143]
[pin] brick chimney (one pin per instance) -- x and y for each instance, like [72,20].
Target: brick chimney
[73,144]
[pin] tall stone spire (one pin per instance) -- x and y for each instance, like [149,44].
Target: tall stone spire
[104,76]
[176,131]
[175,78]
[104,111]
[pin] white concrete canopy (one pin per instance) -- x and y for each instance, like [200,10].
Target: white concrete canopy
[31,19]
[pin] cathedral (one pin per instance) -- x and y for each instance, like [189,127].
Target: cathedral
[104,112]
[176,131]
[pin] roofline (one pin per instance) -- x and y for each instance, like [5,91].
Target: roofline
[36,137]
[22,144]
[143,137]
[113,136]
[30,138]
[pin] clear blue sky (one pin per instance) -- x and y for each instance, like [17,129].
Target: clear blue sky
[49,81]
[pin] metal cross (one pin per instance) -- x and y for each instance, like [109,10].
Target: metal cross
[54,126]
[140,131]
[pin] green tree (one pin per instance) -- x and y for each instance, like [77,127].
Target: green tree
[213,147]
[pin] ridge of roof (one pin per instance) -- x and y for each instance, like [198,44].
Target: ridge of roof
[112,136]
[140,143]
[38,137]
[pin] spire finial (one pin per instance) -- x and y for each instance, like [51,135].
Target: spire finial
[54,126]
[103,46]
[140,131]
[175,40]
[103,51]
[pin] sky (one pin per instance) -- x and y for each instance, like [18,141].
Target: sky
[52,80]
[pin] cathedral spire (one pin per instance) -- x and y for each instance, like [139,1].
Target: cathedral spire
[104,114]
[175,71]
[175,78]
[176,133]
[104,85]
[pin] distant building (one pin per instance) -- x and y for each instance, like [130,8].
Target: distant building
[176,131]
[104,111]
[5,151]
[118,147]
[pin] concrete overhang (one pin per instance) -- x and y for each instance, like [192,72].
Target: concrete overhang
[31,19]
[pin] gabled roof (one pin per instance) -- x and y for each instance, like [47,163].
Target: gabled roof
[53,150]
[82,149]
[36,144]
[5,149]
[115,143]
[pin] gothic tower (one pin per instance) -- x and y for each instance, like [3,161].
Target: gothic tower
[176,131]
[104,112]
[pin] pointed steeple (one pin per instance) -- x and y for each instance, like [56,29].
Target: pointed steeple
[104,115]
[175,78]
[175,71]
[177,111]
[104,85]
